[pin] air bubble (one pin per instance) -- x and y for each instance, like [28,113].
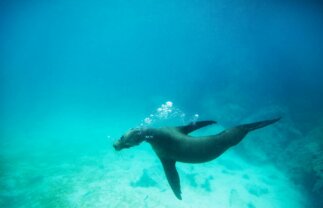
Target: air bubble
[169,104]
[167,111]
[148,120]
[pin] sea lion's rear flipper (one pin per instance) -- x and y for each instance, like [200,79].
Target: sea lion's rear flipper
[194,126]
[260,124]
[172,176]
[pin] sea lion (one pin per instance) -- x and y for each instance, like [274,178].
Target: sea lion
[174,144]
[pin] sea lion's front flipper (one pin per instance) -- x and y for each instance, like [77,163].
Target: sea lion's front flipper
[172,176]
[194,126]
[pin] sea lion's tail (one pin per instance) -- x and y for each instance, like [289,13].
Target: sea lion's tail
[260,124]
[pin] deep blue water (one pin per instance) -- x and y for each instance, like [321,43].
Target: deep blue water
[74,72]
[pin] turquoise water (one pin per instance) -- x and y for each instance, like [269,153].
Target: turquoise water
[76,75]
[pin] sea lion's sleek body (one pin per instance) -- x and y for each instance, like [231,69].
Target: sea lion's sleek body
[181,147]
[173,144]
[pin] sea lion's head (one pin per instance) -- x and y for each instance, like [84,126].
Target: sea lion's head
[132,138]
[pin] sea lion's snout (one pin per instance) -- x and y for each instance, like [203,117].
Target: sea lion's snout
[117,146]
[128,140]
[122,143]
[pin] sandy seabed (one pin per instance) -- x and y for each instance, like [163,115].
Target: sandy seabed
[134,178]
